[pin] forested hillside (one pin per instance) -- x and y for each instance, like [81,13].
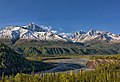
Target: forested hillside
[38,48]
[11,62]
[109,72]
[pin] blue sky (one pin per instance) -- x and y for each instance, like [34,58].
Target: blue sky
[70,15]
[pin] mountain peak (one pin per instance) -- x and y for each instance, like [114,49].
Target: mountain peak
[92,32]
[36,32]
[33,27]
[31,24]
[81,32]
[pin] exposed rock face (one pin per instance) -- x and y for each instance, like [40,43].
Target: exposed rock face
[92,64]
[30,32]
[46,33]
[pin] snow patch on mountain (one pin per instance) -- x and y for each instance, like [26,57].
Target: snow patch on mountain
[36,32]
[30,31]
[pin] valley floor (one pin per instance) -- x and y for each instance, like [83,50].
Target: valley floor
[67,64]
[107,71]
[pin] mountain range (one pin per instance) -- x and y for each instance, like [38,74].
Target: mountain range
[46,33]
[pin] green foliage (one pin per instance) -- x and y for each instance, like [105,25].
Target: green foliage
[104,73]
[113,57]
[63,50]
[11,62]
[37,48]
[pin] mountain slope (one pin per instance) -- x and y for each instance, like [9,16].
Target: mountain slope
[43,33]
[93,35]
[11,62]
[31,32]
[60,48]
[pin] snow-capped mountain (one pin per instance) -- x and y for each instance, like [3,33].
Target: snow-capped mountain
[92,35]
[36,32]
[30,31]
